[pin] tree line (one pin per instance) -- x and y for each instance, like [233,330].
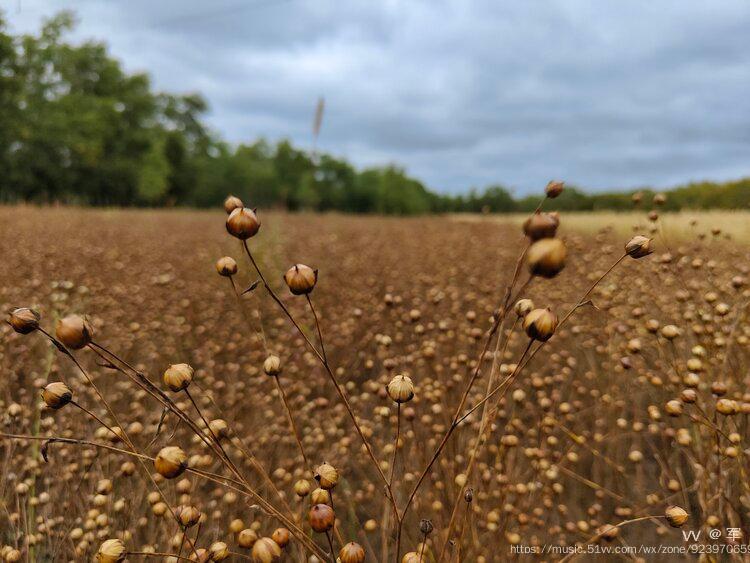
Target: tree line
[75,127]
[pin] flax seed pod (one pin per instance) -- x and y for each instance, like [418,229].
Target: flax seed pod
[56,395]
[321,518]
[243,223]
[74,332]
[541,225]
[540,324]
[111,551]
[272,365]
[247,538]
[638,247]
[301,279]
[226,266]
[231,203]
[327,476]
[523,307]
[352,553]
[554,189]
[401,389]
[265,550]
[24,320]
[178,377]
[170,462]
[676,516]
[281,537]
[219,551]
[546,257]
[302,488]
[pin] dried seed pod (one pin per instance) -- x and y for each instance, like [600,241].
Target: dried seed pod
[673,407]
[320,496]
[414,557]
[302,488]
[670,332]
[327,476]
[554,189]
[660,199]
[219,428]
[523,307]
[247,538]
[280,536]
[188,516]
[301,279]
[178,377]
[540,324]
[170,462]
[231,203]
[56,395]
[352,553]
[425,527]
[74,332]
[226,266]
[219,551]
[111,551]
[676,516]
[401,389]
[546,257]
[638,247]
[24,320]
[265,550]
[243,223]
[609,532]
[727,407]
[272,365]
[541,225]
[321,518]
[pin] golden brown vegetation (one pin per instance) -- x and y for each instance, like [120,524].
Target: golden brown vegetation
[424,390]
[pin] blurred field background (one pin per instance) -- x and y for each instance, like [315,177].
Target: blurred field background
[682,226]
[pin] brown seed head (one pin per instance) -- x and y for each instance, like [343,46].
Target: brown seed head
[523,307]
[541,225]
[546,257]
[226,266]
[111,551]
[24,320]
[638,247]
[170,462]
[327,476]
[302,488]
[243,223]
[321,518]
[178,377]
[189,516]
[247,538]
[272,365]
[56,395]
[540,324]
[219,551]
[280,536]
[401,389]
[265,550]
[554,189]
[676,516]
[231,203]
[352,553]
[74,332]
[301,279]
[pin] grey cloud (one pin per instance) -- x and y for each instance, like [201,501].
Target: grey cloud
[462,93]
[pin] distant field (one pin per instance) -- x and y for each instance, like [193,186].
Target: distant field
[581,418]
[676,226]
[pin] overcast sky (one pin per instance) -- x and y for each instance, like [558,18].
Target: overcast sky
[602,94]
